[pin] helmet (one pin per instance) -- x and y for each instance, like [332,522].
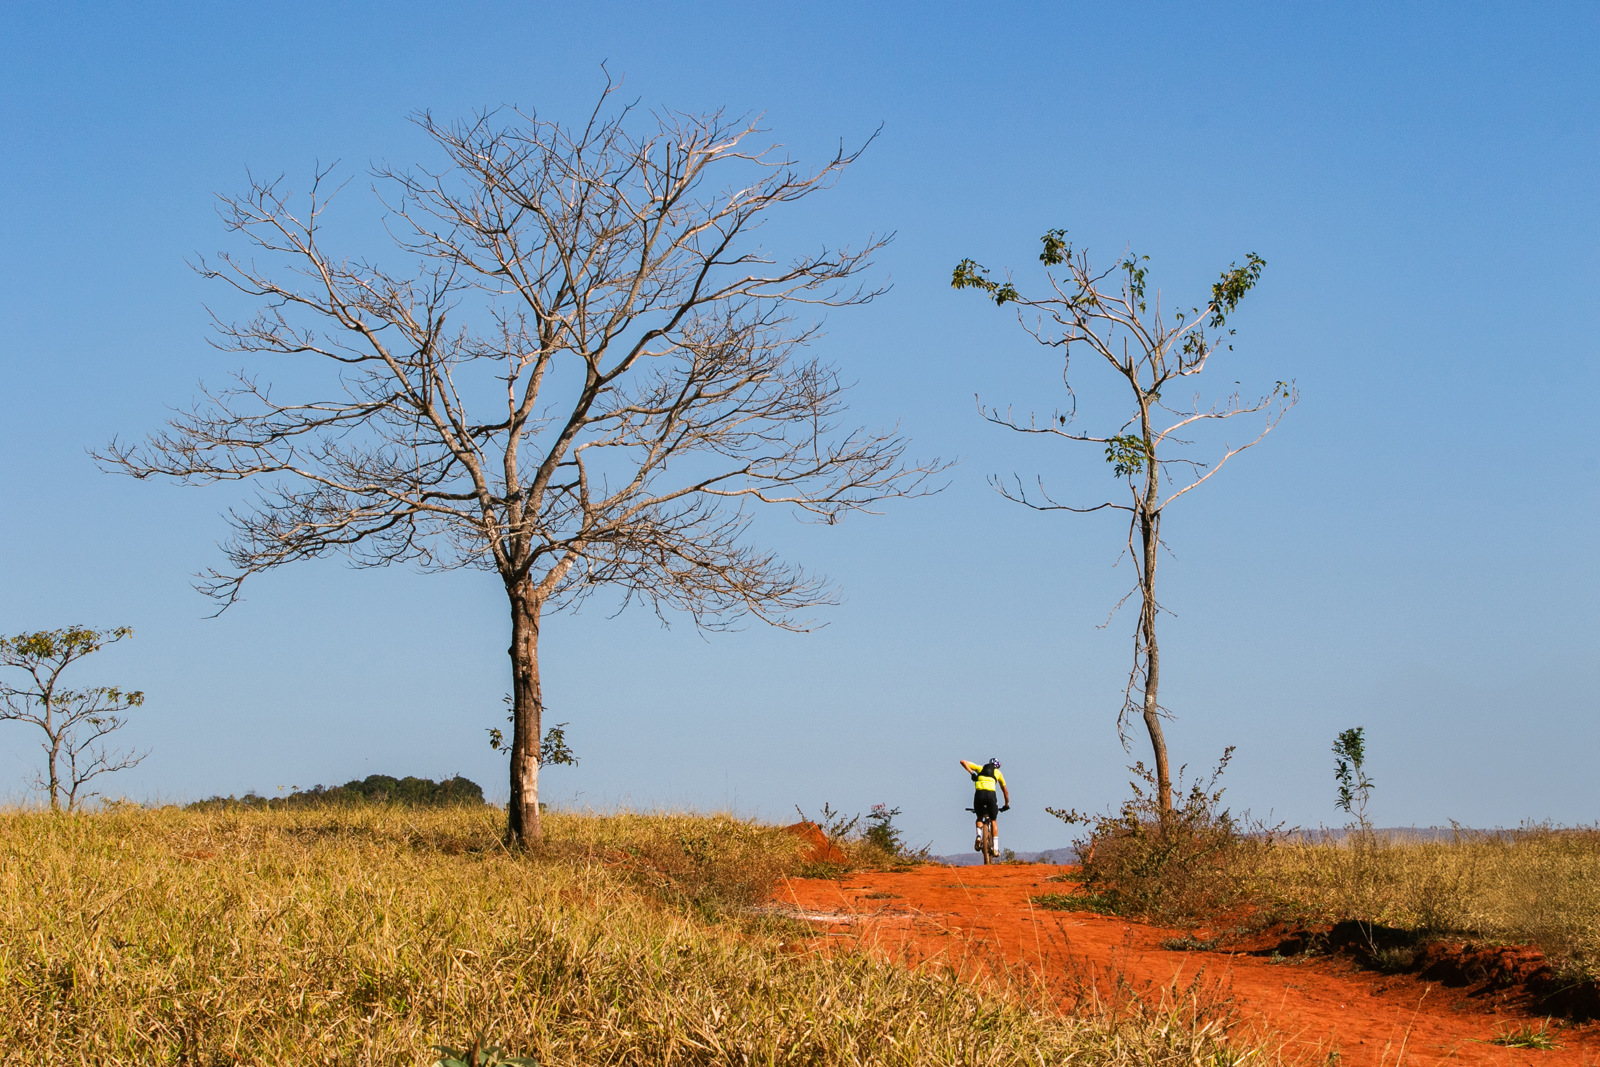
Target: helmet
[994,762]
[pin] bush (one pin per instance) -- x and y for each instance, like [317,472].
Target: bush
[881,831]
[1182,867]
[373,789]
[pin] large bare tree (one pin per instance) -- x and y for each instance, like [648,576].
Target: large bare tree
[77,723]
[1151,352]
[584,376]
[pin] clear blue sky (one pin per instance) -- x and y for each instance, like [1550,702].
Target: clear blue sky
[1413,550]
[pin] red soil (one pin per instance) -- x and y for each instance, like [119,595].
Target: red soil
[980,919]
[822,850]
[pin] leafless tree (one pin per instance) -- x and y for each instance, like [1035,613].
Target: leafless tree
[587,374]
[1151,352]
[76,722]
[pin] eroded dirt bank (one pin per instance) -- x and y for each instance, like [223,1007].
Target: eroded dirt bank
[980,919]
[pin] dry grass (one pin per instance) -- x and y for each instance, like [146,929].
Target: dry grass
[1537,886]
[365,936]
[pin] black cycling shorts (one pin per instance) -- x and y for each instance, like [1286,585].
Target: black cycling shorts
[986,803]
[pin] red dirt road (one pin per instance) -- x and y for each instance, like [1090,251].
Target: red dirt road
[980,918]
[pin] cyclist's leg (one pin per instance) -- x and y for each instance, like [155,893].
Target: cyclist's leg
[985,807]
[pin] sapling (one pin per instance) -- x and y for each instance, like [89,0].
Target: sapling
[1350,756]
[1355,788]
[77,724]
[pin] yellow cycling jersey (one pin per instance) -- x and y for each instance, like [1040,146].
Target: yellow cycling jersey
[983,782]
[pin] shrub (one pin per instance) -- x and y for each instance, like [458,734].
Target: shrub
[1178,867]
[882,832]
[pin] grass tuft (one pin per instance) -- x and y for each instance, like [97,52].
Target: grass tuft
[1075,902]
[1527,1036]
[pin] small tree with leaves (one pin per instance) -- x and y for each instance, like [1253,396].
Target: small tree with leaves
[76,723]
[1349,770]
[1112,314]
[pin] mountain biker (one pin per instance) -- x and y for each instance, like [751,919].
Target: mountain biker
[984,805]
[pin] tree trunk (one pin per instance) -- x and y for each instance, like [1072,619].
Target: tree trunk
[1150,544]
[527,713]
[54,749]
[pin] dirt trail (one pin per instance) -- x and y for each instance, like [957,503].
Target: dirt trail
[981,918]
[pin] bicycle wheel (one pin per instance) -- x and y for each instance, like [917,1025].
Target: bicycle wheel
[988,841]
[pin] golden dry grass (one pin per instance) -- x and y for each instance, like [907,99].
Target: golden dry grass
[366,936]
[1537,886]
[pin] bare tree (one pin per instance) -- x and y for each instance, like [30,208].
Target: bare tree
[76,722]
[585,376]
[1151,352]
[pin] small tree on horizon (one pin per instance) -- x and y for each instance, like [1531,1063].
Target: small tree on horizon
[585,375]
[1349,770]
[1110,313]
[76,722]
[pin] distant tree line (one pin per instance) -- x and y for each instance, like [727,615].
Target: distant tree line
[373,789]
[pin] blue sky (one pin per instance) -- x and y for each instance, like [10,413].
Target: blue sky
[1412,551]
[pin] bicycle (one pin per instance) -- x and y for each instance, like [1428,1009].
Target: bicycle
[990,853]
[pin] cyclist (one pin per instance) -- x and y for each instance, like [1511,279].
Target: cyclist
[984,805]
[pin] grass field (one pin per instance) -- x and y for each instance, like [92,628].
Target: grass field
[368,935]
[1538,886]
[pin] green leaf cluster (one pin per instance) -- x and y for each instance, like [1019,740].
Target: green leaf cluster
[480,1056]
[1128,454]
[1350,755]
[969,275]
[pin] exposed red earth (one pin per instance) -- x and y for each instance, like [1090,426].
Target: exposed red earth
[822,850]
[979,920]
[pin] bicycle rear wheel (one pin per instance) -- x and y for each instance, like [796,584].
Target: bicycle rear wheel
[988,842]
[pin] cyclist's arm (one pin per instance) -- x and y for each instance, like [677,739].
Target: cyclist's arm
[969,767]
[1000,778]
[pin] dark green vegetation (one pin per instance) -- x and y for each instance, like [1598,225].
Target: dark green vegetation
[405,792]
